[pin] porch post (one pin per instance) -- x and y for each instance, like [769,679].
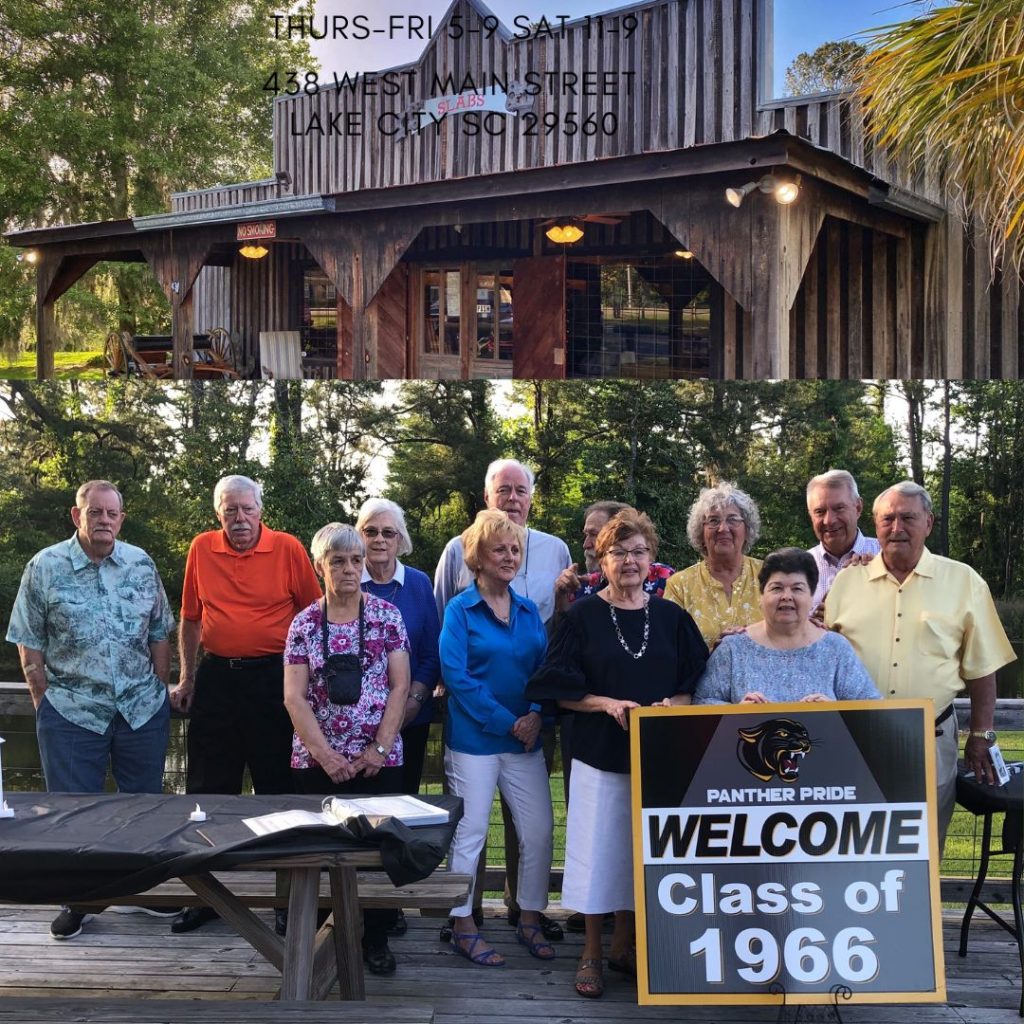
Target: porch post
[758,253]
[45,322]
[358,254]
[176,263]
[55,274]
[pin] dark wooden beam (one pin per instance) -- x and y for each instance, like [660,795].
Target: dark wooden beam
[54,276]
[176,259]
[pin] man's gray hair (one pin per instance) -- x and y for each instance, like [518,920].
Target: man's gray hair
[383,506]
[498,465]
[833,478]
[234,482]
[908,489]
[720,498]
[82,494]
[335,537]
[606,508]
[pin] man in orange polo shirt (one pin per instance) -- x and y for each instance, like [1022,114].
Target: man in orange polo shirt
[243,586]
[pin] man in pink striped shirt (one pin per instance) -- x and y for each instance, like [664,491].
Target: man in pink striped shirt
[835,506]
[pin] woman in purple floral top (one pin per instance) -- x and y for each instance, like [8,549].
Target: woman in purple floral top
[352,745]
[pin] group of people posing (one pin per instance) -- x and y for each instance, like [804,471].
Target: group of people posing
[320,676]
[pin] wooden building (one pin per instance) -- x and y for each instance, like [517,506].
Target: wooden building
[406,227]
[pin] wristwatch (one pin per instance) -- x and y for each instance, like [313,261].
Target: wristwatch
[988,734]
[380,750]
[418,697]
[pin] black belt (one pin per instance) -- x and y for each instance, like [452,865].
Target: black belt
[239,664]
[938,721]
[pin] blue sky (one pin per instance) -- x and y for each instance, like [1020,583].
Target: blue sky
[799,25]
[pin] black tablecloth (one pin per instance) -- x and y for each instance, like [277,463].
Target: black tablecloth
[66,847]
[981,799]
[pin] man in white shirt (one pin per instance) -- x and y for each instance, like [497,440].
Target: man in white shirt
[508,487]
[835,506]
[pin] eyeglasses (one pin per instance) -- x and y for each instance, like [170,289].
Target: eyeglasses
[619,555]
[714,522]
[387,533]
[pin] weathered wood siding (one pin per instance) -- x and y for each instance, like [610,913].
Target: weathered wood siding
[212,299]
[227,195]
[836,122]
[693,66]
[259,296]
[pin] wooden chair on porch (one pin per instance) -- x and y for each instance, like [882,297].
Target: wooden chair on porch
[280,355]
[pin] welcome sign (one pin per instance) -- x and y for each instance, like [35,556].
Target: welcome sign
[786,846]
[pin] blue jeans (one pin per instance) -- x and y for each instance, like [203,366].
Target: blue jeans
[75,760]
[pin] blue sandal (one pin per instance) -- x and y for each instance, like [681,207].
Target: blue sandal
[485,957]
[526,935]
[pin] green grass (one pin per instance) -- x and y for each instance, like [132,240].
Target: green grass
[964,837]
[68,365]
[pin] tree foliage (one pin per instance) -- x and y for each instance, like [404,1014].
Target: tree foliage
[107,106]
[946,90]
[829,68]
[321,448]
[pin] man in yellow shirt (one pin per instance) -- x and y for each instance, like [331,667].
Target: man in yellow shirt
[925,626]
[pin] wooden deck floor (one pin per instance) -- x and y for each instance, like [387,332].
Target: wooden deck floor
[135,956]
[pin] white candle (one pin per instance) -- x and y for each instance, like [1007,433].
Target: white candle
[198,814]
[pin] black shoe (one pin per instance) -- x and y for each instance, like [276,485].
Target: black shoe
[379,959]
[577,923]
[400,927]
[192,918]
[551,930]
[67,924]
[281,921]
[445,934]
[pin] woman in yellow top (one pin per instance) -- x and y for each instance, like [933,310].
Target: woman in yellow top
[721,591]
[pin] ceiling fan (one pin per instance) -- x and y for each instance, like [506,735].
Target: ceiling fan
[588,218]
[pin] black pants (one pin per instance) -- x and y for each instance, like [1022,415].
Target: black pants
[414,750]
[238,718]
[315,781]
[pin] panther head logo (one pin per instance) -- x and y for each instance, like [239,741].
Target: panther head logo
[774,748]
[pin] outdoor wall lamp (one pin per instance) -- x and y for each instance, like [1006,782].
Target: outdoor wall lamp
[565,232]
[28,256]
[684,254]
[253,252]
[785,192]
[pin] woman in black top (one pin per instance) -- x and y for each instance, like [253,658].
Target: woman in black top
[613,651]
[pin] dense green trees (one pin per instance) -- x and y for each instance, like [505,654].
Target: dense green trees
[107,106]
[321,448]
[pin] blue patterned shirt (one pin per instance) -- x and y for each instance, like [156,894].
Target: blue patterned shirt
[94,624]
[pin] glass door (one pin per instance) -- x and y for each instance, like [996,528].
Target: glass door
[465,321]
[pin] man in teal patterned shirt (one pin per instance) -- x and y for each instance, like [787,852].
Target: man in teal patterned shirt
[91,622]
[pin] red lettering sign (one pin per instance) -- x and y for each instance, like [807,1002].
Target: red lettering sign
[259,229]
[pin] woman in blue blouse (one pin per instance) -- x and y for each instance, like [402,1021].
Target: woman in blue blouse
[381,524]
[491,643]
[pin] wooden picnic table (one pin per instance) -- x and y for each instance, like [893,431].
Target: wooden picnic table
[96,848]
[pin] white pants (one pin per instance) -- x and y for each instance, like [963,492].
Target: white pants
[946,749]
[523,781]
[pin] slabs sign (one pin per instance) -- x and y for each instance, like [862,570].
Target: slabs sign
[787,848]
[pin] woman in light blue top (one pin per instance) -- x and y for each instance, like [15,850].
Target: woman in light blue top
[785,657]
[492,641]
